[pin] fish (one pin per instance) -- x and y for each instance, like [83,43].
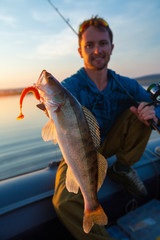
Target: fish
[77,133]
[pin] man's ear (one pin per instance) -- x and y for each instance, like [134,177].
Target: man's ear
[112,48]
[80,52]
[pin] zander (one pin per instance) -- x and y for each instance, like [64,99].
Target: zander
[76,131]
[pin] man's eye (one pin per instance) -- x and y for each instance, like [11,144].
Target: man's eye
[103,43]
[89,45]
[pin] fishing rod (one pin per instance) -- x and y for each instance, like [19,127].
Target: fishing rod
[136,104]
[64,19]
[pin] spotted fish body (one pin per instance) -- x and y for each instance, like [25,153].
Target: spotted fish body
[71,126]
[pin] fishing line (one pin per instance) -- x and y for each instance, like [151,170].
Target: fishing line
[65,20]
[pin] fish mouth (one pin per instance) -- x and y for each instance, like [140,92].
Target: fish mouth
[43,80]
[50,91]
[45,77]
[41,77]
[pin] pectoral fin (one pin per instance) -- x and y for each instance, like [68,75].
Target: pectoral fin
[102,169]
[71,182]
[49,132]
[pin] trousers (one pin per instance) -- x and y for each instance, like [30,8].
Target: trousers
[127,139]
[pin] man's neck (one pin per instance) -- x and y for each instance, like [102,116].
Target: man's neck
[99,77]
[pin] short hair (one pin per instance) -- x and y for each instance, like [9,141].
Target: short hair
[97,22]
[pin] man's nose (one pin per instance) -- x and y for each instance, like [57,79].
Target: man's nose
[97,49]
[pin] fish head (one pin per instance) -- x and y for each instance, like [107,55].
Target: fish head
[51,91]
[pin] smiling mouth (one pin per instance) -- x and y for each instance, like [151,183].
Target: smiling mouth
[98,57]
[98,60]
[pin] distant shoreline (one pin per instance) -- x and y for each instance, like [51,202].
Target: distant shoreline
[144,81]
[10,92]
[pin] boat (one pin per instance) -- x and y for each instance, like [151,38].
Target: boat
[26,210]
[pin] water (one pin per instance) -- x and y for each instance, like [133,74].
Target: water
[22,148]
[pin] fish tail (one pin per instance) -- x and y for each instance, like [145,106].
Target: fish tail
[90,218]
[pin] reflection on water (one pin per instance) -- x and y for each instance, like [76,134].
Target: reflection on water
[22,147]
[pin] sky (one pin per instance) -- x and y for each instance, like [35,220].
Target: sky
[34,37]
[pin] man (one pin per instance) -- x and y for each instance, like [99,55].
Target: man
[124,128]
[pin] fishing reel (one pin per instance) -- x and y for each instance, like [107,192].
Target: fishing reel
[154,90]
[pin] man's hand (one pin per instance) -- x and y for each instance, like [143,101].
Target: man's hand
[145,113]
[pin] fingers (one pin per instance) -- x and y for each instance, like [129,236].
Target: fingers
[134,110]
[144,112]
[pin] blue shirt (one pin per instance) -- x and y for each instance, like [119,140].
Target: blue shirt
[108,104]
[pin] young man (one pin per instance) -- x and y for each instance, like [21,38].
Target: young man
[124,128]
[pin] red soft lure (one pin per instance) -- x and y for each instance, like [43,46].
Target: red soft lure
[32,89]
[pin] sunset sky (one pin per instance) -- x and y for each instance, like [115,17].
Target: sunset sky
[33,37]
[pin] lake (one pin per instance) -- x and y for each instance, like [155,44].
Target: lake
[22,148]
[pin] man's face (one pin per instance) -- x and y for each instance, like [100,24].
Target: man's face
[95,48]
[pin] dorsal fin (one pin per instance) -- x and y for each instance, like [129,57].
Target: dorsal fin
[93,126]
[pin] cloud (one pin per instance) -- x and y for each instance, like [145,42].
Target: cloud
[7,20]
[49,46]
[61,44]
[41,16]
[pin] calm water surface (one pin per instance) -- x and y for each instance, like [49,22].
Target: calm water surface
[22,148]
